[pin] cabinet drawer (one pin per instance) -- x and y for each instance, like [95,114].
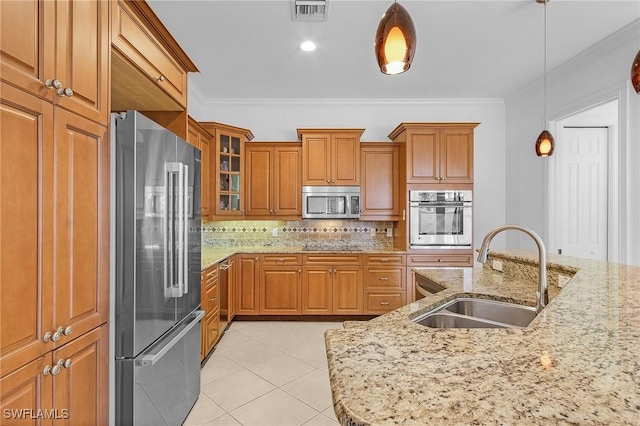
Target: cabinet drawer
[280,259]
[331,259]
[440,259]
[385,278]
[390,259]
[211,328]
[210,275]
[212,301]
[379,303]
[139,46]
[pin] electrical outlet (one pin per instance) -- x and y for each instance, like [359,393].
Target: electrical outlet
[389,232]
[497,265]
[274,232]
[373,232]
[563,280]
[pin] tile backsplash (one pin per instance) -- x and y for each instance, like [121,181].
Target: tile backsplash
[315,233]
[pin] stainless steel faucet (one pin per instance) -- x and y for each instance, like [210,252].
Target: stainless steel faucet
[542,297]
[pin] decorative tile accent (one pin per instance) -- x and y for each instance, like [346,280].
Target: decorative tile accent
[327,233]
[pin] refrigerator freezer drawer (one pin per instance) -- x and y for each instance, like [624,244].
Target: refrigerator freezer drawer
[161,385]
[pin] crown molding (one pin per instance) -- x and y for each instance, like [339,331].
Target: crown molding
[360,102]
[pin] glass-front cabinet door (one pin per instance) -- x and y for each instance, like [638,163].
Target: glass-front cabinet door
[228,191]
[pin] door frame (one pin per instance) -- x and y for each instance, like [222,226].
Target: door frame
[614,239]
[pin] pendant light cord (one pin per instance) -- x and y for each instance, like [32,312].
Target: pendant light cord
[545,64]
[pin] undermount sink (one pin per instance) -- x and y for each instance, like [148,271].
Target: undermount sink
[467,312]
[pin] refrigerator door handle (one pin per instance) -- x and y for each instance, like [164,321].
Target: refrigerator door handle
[171,288]
[164,345]
[183,232]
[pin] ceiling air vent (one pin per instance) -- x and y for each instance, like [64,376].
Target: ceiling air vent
[309,10]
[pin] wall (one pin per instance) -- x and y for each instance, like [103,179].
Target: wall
[599,74]
[278,119]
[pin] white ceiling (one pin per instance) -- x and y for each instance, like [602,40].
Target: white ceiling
[465,49]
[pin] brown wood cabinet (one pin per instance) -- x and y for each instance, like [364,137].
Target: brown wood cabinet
[248,285]
[200,138]
[45,52]
[341,274]
[55,222]
[280,284]
[150,68]
[70,384]
[379,185]
[384,283]
[210,304]
[330,156]
[274,181]
[228,169]
[437,152]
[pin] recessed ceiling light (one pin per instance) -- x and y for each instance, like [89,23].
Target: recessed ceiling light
[308,46]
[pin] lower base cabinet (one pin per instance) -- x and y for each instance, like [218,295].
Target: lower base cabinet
[332,285]
[247,289]
[280,290]
[68,385]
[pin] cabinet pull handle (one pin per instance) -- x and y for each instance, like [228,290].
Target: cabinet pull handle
[213,299]
[384,303]
[384,278]
[160,78]
[52,84]
[384,260]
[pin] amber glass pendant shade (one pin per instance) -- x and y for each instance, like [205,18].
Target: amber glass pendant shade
[635,73]
[545,144]
[395,42]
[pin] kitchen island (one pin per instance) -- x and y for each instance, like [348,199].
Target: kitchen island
[578,362]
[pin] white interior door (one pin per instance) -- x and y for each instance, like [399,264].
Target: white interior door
[581,192]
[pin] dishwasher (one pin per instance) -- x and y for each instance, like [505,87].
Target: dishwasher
[225,283]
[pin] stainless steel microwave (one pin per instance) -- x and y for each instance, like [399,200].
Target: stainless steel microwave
[330,202]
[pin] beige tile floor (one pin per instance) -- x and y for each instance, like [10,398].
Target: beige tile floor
[267,373]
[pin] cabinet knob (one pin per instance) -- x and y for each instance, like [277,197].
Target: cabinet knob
[67,331]
[47,370]
[299,270]
[57,335]
[52,84]
[47,336]
[255,258]
[66,363]
[65,92]
[160,78]
[55,369]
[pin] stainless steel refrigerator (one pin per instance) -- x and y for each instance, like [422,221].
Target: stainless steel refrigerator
[157,273]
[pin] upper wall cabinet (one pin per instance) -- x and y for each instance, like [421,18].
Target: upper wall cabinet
[58,50]
[437,152]
[200,138]
[273,182]
[228,163]
[379,181]
[330,156]
[149,69]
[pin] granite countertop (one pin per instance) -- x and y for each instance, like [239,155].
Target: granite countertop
[577,363]
[213,255]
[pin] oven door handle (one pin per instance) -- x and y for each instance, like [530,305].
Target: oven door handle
[432,205]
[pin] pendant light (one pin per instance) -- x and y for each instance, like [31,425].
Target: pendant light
[395,42]
[545,142]
[635,73]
